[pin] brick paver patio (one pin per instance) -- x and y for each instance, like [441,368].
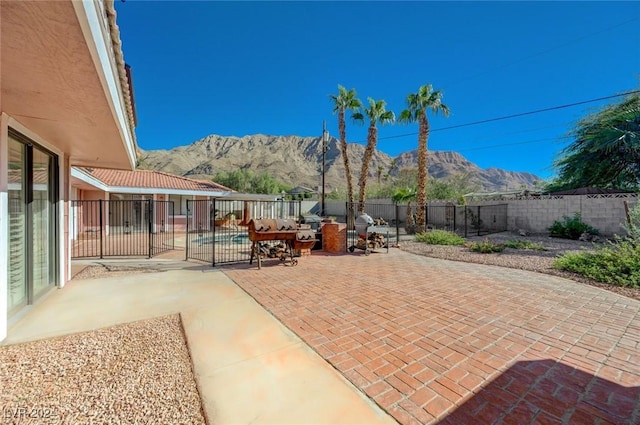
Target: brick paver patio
[434,341]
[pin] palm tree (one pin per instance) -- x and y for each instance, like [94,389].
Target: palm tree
[417,106]
[344,101]
[393,167]
[377,113]
[380,170]
[407,195]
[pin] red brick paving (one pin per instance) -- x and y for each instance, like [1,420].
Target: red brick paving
[434,341]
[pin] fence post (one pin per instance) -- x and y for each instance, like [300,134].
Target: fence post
[466,222]
[150,225]
[101,225]
[426,216]
[397,226]
[212,207]
[173,224]
[479,220]
[455,215]
[187,242]
[349,219]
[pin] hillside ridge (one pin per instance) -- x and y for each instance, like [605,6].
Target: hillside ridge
[297,161]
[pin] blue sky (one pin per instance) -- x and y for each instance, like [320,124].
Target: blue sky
[238,68]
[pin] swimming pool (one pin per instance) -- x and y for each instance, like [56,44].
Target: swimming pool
[239,239]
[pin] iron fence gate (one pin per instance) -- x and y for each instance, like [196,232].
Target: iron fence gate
[121,228]
[383,215]
[217,230]
[467,220]
[461,219]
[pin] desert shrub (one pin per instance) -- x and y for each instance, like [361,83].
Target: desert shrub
[439,237]
[571,228]
[617,264]
[517,244]
[633,227]
[486,247]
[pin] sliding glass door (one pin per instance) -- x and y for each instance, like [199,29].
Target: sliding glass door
[33,254]
[17,226]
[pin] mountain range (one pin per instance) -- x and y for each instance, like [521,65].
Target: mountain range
[297,161]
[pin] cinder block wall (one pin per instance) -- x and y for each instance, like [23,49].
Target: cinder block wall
[536,215]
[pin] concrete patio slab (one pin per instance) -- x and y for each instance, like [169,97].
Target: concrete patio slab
[435,341]
[249,367]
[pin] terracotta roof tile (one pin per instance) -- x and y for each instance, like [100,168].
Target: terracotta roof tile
[149,179]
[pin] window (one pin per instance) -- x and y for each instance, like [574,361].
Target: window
[180,203]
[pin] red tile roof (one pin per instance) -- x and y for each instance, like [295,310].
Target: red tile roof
[40,176]
[151,180]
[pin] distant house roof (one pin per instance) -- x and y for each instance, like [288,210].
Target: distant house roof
[300,189]
[149,179]
[589,191]
[154,182]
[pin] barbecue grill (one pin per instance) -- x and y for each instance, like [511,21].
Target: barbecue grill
[312,220]
[370,236]
[286,231]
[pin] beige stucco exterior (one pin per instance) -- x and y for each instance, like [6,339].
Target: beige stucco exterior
[61,88]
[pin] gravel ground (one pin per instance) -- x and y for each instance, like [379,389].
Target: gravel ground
[136,373]
[109,270]
[533,260]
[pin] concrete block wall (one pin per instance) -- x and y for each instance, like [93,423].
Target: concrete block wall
[607,214]
[536,215]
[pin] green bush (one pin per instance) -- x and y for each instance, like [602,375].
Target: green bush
[516,244]
[633,226]
[571,228]
[617,264]
[486,247]
[439,237]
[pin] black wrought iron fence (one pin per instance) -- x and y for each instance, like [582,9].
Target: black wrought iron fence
[121,228]
[217,230]
[384,216]
[401,219]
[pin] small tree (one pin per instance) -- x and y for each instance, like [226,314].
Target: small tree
[407,195]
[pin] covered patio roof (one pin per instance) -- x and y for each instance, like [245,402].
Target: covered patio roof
[64,78]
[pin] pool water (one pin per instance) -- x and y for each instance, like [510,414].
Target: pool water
[239,239]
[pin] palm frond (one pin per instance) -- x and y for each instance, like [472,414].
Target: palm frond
[358,117]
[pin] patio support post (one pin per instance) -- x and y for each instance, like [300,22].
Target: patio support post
[478,220]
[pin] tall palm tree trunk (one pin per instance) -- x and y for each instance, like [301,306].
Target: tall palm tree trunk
[423,136]
[343,145]
[372,138]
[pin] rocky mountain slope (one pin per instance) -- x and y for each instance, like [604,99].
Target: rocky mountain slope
[297,161]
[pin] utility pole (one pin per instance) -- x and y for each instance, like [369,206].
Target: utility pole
[325,139]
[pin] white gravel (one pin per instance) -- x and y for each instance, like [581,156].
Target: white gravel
[533,260]
[136,373]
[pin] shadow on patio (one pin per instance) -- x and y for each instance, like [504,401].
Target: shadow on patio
[546,391]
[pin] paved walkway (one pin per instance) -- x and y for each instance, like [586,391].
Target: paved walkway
[248,366]
[433,341]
